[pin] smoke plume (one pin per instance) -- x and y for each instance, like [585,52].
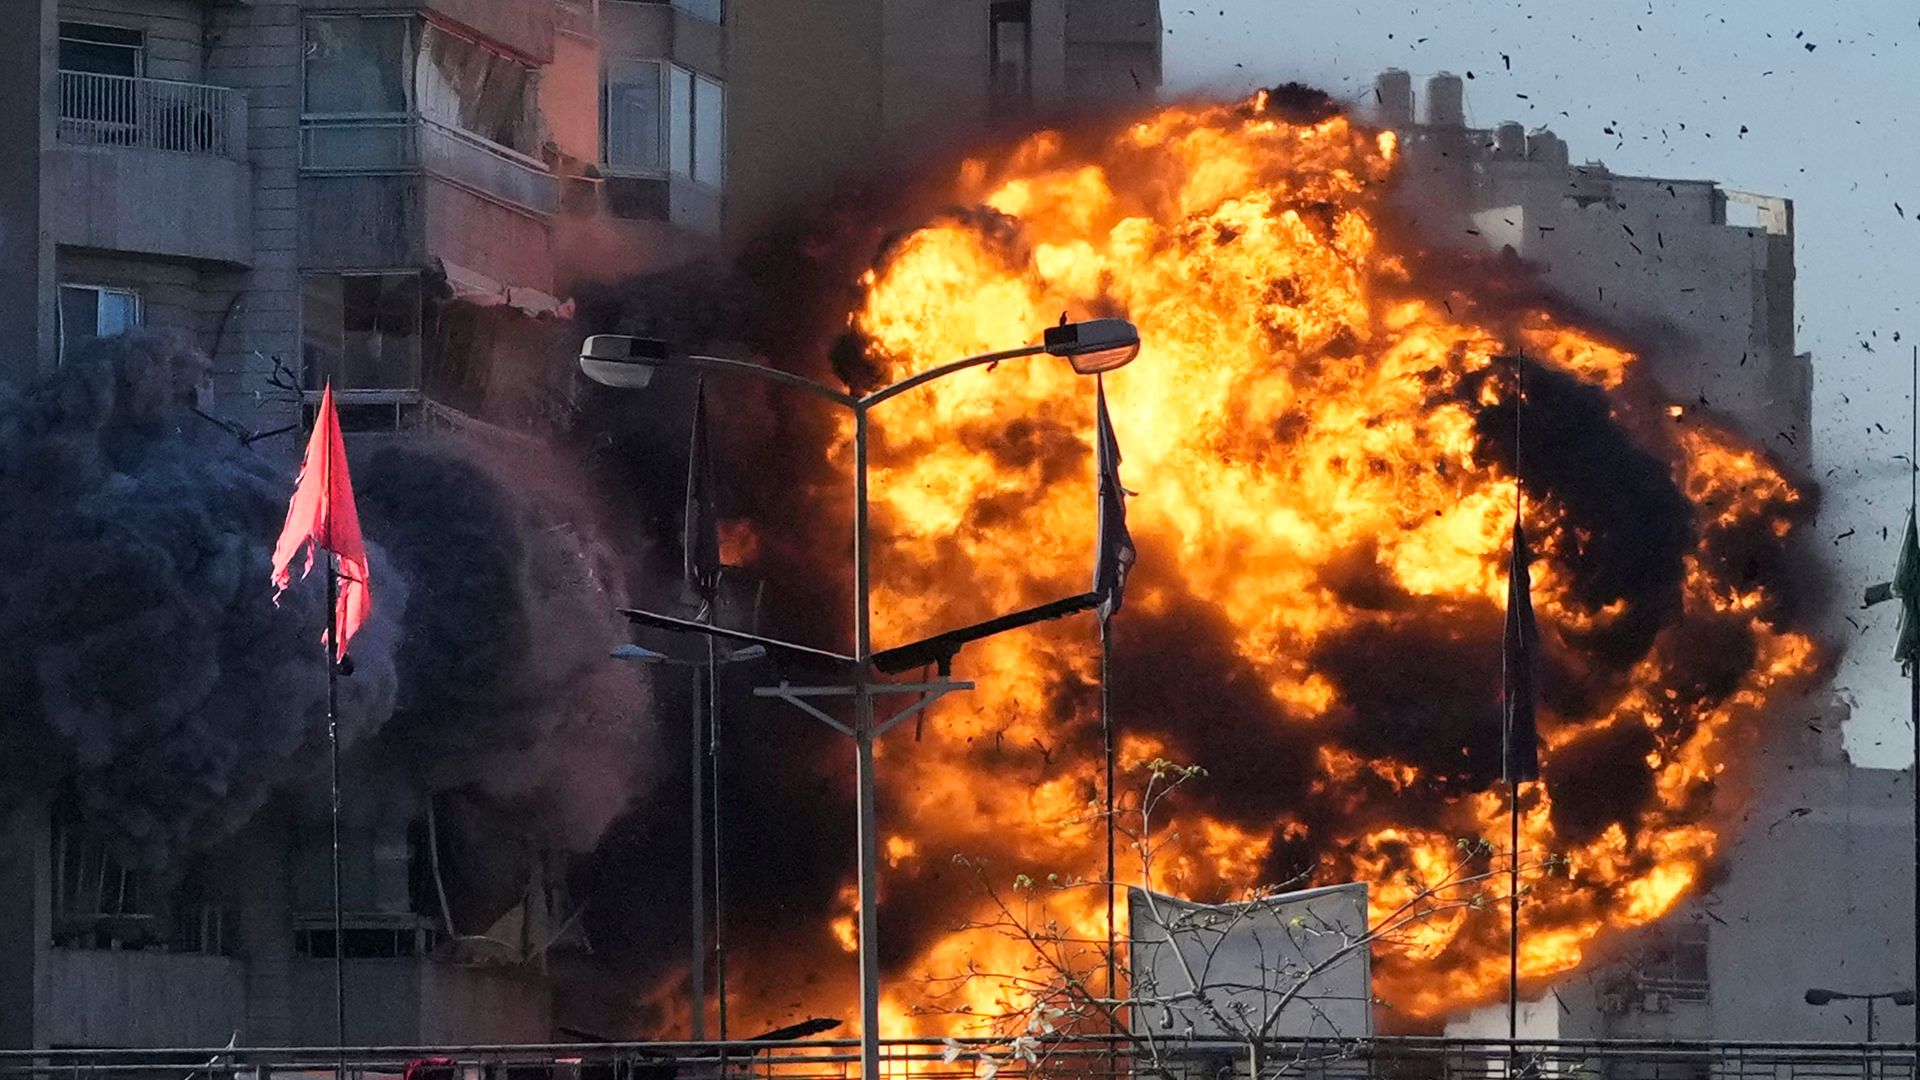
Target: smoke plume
[147,675]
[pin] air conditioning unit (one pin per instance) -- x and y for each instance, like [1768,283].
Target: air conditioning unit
[1613,1004]
[1657,1003]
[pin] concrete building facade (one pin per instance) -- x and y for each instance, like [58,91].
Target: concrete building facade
[397,196]
[1816,888]
[1700,276]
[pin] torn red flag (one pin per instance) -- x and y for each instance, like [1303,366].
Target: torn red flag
[321,517]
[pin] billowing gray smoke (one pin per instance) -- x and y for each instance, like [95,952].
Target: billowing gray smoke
[146,674]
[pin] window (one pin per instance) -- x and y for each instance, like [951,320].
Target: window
[680,120]
[465,85]
[362,331]
[633,116]
[709,131]
[102,50]
[710,10]
[91,311]
[356,65]
[100,902]
[99,102]
[1010,54]
[696,134]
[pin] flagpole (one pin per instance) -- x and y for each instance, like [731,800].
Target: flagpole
[719,928]
[1106,738]
[698,907]
[333,755]
[1513,774]
[1913,671]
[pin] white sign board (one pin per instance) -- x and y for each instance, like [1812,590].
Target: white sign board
[1300,955]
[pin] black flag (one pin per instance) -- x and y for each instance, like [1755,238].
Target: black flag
[1116,554]
[1519,663]
[702,540]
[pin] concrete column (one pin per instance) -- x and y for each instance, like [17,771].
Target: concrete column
[25,924]
[28,95]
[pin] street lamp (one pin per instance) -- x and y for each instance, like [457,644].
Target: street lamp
[1817,996]
[706,671]
[1090,347]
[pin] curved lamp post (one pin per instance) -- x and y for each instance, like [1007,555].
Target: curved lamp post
[628,363]
[1817,996]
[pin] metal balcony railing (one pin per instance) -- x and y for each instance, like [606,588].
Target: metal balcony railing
[151,114]
[1386,1058]
[405,143]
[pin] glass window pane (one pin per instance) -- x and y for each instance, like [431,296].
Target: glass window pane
[320,329]
[633,114]
[709,132]
[680,119]
[710,10]
[356,64]
[102,50]
[79,312]
[118,311]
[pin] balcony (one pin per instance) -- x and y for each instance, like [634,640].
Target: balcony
[401,144]
[124,150]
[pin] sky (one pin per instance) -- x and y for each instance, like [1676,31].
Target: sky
[1809,99]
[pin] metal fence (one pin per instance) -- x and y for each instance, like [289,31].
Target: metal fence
[1371,1059]
[152,114]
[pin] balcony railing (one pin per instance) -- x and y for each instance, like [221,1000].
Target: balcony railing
[406,143]
[151,114]
[934,1059]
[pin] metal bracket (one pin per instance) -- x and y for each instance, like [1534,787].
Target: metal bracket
[798,696]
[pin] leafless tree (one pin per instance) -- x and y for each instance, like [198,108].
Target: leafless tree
[1198,990]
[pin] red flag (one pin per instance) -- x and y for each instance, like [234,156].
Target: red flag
[322,518]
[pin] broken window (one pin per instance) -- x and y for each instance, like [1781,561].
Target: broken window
[633,115]
[1673,964]
[91,311]
[465,85]
[362,331]
[1010,54]
[102,902]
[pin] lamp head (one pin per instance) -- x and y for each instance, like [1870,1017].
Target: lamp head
[1095,345]
[638,654]
[625,363]
[1817,996]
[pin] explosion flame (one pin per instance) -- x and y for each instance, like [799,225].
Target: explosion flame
[1321,432]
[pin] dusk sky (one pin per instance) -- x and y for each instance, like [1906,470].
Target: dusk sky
[1808,100]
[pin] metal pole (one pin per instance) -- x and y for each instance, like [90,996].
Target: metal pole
[867,827]
[698,909]
[1513,915]
[1871,1001]
[719,907]
[333,762]
[1106,739]
[1513,780]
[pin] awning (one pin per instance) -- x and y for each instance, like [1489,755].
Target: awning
[470,286]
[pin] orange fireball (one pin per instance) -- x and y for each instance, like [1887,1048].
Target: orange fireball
[1321,432]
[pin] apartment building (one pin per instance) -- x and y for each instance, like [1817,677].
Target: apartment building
[1698,274]
[380,191]
[398,196]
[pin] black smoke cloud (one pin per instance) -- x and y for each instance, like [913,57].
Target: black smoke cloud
[147,676]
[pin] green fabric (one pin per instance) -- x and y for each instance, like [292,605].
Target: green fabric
[1906,585]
